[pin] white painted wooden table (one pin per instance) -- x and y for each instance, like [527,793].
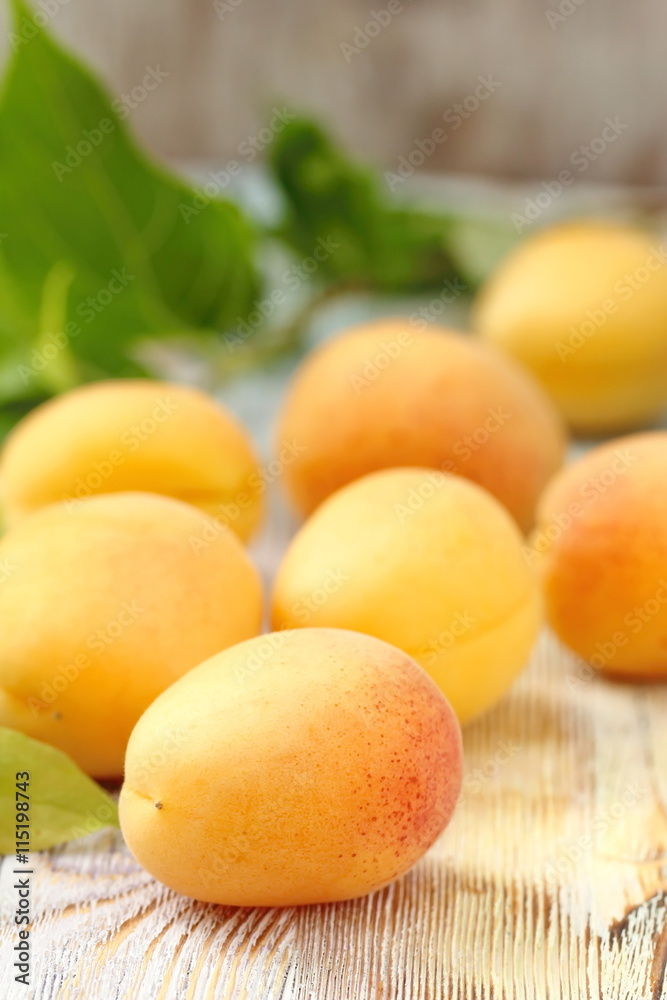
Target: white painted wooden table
[549,883]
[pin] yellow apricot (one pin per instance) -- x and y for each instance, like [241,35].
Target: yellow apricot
[298,767]
[601,546]
[133,434]
[428,562]
[106,603]
[583,305]
[388,394]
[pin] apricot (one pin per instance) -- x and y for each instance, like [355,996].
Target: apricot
[305,766]
[133,434]
[103,606]
[583,306]
[601,547]
[428,562]
[388,394]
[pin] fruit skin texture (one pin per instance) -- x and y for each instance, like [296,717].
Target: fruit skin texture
[312,765]
[584,307]
[428,562]
[387,394]
[601,546]
[132,435]
[104,606]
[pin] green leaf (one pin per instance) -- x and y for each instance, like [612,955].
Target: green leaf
[64,802]
[24,381]
[327,197]
[77,196]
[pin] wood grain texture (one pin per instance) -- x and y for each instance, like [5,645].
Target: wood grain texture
[560,76]
[549,883]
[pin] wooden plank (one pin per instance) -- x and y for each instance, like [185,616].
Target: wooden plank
[558,79]
[549,883]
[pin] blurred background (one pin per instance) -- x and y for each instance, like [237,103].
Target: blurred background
[383,159]
[384,75]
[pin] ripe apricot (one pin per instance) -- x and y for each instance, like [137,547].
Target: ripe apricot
[601,546]
[387,394]
[583,306]
[103,606]
[428,562]
[133,434]
[304,767]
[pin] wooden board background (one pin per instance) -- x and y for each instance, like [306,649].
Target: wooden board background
[559,79]
[549,883]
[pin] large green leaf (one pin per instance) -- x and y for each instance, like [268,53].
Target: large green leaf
[146,255]
[63,802]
